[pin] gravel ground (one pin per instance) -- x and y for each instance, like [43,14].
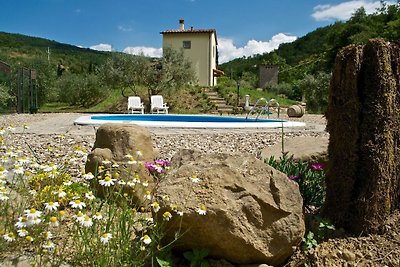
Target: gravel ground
[57,132]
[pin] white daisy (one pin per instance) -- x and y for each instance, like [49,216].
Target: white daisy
[10,237]
[79,217]
[132,161]
[77,204]
[105,238]
[67,183]
[61,193]
[32,214]
[47,235]
[87,176]
[22,222]
[115,165]
[89,195]
[106,162]
[128,156]
[97,216]
[22,232]
[131,183]
[156,206]
[51,206]
[19,170]
[167,216]
[146,239]
[202,210]
[121,182]
[86,222]
[195,179]
[53,221]
[4,197]
[49,245]
[107,181]
[147,195]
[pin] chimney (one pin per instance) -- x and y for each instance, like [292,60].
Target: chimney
[181,24]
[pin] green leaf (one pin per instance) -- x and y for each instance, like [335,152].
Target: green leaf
[163,263]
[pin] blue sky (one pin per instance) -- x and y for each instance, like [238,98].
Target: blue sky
[243,27]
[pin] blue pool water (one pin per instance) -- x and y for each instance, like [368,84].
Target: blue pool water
[185,121]
[179,118]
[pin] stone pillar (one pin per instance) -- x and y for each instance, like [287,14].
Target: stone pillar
[364,147]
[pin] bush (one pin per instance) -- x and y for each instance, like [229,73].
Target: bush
[316,89]
[5,97]
[310,177]
[80,90]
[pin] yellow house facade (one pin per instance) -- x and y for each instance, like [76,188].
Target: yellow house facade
[200,47]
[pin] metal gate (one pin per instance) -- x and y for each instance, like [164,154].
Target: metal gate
[27,98]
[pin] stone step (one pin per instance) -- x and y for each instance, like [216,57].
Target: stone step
[223,106]
[217,101]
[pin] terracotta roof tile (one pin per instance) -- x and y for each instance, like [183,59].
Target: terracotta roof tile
[189,31]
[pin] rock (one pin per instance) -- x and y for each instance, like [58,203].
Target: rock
[123,139]
[113,143]
[254,212]
[25,261]
[305,148]
[348,255]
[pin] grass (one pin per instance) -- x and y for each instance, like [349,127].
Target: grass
[55,212]
[113,98]
[186,101]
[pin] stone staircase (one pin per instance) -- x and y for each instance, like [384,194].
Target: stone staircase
[219,102]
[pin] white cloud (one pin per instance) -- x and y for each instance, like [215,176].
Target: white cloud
[143,50]
[343,11]
[228,51]
[226,48]
[102,47]
[124,28]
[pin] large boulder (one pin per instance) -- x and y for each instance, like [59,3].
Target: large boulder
[115,141]
[254,213]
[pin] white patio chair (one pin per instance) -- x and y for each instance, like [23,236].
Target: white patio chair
[135,105]
[158,105]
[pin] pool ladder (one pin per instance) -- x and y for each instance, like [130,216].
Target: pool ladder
[265,108]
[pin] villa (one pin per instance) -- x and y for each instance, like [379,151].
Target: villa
[200,47]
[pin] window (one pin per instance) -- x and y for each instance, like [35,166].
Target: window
[187,44]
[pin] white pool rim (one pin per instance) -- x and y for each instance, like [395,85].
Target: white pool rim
[87,120]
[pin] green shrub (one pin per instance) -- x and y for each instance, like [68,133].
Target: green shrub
[315,89]
[310,177]
[80,90]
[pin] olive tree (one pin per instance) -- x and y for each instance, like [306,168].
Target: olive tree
[158,75]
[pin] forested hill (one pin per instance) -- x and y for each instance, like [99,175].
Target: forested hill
[32,52]
[315,52]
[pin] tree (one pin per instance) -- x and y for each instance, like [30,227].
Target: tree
[315,90]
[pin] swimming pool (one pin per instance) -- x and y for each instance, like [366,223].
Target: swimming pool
[185,121]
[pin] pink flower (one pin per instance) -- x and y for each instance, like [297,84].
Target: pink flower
[317,167]
[162,162]
[150,166]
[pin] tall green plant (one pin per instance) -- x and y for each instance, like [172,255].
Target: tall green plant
[310,178]
[80,90]
[315,89]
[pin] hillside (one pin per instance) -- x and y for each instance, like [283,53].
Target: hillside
[31,52]
[315,52]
